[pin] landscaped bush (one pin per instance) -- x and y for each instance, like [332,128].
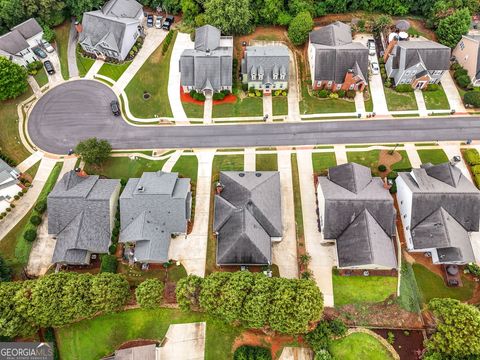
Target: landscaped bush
[30,235]
[35,220]
[333,96]
[41,206]
[432,87]
[404,88]
[188,292]
[197,96]
[341,93]
[460,72]
[463,81]
[33,67]
[388,83]
[472,157]
[337,327]
[218,96]
[475,169]
[472,98]
[246,352]
[323,355]
[382,168]
[455,66]
[323,93]
[112,249]
[149,294]
[320,337]
[166,42]
[473,269]
[109,264]
[350,94]
[8,160]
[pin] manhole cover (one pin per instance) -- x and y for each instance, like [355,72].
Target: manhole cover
[146,95]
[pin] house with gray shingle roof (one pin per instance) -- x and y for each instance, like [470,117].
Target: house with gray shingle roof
[248,217]
[17,44]
[357,211]
[440,210]
[336,62]
[467,54]
[266,67]
[8,185]
[152,209]
[113,30]
[207,68]
[418,63]
[81,212]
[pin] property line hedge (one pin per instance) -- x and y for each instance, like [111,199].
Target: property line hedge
[167,41]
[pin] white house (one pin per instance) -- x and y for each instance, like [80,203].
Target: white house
[8,185]
[17,44]
[440,209]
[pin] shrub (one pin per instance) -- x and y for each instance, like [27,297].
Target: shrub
[460,72]
[247,352]
[333,96]
[322,93]
[473,269]
[404,88]
[350,94]
[390,338]
[35,220]
[109,264]
[284,93]
[30,235]
[115,231]
[149,294]
[218,96]
[337,327]
[432,87]
[300,27]
[320,337]
[388,83]
[48,34]
[166,42]
[341,93]
[382,168]
[16,197]
[323,355]
[33,67]
[8,209]
[472,157]
[463,81]
[12,206]
[123,181]
[476,178]
[112,249]
[472,98]
[187,292]
[455,66]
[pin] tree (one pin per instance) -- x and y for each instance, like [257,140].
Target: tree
[190,10]
[149,293]
[5,271]
[381,22]
[270,11]
[171,6]
[299,28]
[188,292]
[257,305]
[232,17]
[233,295]
[78,7]
[210,297]
[12,321]
[13,79]
[458,329]
[296,7]
[109,292]
[94,151]
[451,29]
[109,264]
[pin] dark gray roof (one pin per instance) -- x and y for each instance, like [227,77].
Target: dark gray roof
[207,37]
[440,186]
[79,213]
[247,215]
[122,9]
[28,28]
[336,54]
[144,352]
[342,205]
[8,175]
[13,42]
[152,208]
[432,55]
[364,243]
[268,60]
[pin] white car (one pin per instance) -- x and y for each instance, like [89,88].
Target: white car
[47,46]
[159,22]
[371,47]
[374,67]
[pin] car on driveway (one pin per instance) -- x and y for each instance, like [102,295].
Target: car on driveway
[159,22]
[47,46]
[150,20]
[374,67]
[168,22]
[39,52]
[371,47]
[49,67]
[115,108]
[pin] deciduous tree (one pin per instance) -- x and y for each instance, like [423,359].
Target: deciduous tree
[94,151]
[300,27]
[149,294]
[188,292]
[109,292]
[13,79]
[451,29]
[232,17]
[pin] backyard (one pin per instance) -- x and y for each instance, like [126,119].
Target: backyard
[436,100]
[114,71]
[359,346]
[434,156]
[322,161]
[153,79]
[124,167]
[249,106]
[61,39]
[400,101]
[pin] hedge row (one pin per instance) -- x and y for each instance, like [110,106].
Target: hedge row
[167,41]
[247,352]
[7,159]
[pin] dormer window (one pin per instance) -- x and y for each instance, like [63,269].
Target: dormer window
[253,74]
[260,76]
[283,73]
[260,73]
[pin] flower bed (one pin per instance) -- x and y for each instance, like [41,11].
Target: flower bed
[185,97]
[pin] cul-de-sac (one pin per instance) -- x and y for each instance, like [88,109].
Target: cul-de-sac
[239,179]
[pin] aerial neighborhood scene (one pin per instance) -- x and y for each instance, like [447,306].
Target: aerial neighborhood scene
[239,179]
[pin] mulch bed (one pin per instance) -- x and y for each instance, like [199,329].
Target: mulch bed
[405,345]
[388,160]
[169,293]
[230,98]
[135,343]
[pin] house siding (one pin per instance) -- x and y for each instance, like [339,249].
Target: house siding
[466,53]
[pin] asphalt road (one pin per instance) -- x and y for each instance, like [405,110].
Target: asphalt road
[81,109]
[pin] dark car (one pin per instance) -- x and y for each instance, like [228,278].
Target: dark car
[149,20]
[168,22]
[115,108]
[39,52]
[49,67]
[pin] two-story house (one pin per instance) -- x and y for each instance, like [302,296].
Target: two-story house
[17,44]
[467,54]
[8,185]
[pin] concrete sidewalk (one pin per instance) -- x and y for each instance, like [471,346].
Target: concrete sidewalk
[293,98]
[249,159]
[422,108]
[170,163]
[207,110]
[360,103]
[94,69]
[413,155]
[184,342]
[340,154]
[30,161]
[268,107]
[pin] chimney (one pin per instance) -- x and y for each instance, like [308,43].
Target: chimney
[389,49]
[455,160]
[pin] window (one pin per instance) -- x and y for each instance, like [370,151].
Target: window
[352,87]
[254,77]
[329,84]
[281,86]
[282,76]
[260,76]
[462,45]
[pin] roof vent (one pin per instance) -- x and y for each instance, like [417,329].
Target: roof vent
[258,174]
[77,169]
[141,189]
[455,160]
[241,174]
[207,52]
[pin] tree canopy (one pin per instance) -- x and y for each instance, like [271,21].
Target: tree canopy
[149,293]
[13,79]
[232,17]
[94,151]
[451,28]
[300,27]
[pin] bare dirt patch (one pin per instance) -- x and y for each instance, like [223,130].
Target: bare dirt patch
[388,159]
[407,343]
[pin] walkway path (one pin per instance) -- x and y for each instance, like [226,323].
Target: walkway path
[293,90]
[191,250]
[72,51]
[30,161]
[152,41]
[41,254]
[341,154]
[322,256]
[94,69]
[184,342]
[454,99]
[268,107]
[413,155]
[182,42]
[170,163]
[422,108]
[296,353]
[207,110]
[284,253]
[360,103]
[249,159]
[27,201]
[34,85]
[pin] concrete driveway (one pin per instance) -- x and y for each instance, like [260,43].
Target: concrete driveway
[56,78]
[184,342]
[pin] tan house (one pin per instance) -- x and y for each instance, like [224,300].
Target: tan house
[467,54]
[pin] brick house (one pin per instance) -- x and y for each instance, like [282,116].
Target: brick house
[336,62]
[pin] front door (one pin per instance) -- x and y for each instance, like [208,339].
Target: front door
[420,85]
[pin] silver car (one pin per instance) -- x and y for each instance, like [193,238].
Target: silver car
[47,46]
[159,22]
[374,67]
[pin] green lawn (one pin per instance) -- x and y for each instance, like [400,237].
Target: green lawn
[323,161]
[83,64]
[226,163]
[369,102]
[313,105]
[280,105]
[123,167]
[10,143]
[193,110]
[61,38]
[370,159]
[114,71]
[297,199]
[93,339]
[187,166]
[362,289]
[434,156]
[152,78]
[32,171]
[436,100]
[41,78]
[409,298]
[359,346]
[266,162]
[432,286]
[397,101]
[249,106]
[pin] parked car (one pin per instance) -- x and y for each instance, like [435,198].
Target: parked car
[47,46]
[115,107]
[159,22]
[374,67]
[49,67]
[150,20]
[168,22]
[39,52]
[371,47]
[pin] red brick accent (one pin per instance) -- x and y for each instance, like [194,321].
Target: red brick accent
[425,78]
